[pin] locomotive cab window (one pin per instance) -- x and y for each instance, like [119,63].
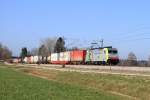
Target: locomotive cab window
[109,51]
[115,51]
[112,51]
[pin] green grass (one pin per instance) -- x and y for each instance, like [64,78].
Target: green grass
[134,86]
[16,85]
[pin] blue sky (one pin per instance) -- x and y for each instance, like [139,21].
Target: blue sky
[124,24]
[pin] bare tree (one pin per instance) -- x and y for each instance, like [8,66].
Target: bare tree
[5,53]
[43,51]
[34,51]
[49,43]
[132,59]
[1,50]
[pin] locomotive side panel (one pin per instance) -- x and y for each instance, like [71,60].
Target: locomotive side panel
[88,57]
[95,55]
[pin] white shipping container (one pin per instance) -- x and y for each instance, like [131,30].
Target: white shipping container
[64,56]
[35,59]
[54,57]
[25,59]
[32,59]
[49,58]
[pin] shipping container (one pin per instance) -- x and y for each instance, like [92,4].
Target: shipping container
[78,56]
[55,58]
[64,57]
[49,59]
[35,59]
[25,60]
[32,59]
[29,60]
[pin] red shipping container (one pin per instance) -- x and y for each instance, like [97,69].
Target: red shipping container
[78,55]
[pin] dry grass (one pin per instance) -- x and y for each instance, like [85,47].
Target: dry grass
[128,86]
[16,85]
[133,87]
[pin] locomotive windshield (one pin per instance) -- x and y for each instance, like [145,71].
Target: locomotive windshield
[112,51]
[115,51]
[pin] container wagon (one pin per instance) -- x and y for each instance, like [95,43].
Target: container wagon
[55,58]
[78,56]
[64,57]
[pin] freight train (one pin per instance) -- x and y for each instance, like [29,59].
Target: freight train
[96,56]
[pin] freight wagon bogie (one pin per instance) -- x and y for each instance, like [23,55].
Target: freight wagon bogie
[77,62]
[112,61]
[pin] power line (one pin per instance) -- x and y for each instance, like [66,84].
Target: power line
[134,37]
[133,40]
[96,43]
[131,36]
[123,35]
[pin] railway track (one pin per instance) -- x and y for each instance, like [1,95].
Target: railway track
[117,70]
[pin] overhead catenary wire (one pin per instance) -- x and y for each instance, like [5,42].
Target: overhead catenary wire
[76,42]
[128,40]
[133,33]
[136,39]
[131,36]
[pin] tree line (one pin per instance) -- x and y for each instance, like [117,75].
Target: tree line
[5,52]
[47,46]
[132,61]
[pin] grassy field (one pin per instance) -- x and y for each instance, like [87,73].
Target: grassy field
[17,85]
[133,87]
